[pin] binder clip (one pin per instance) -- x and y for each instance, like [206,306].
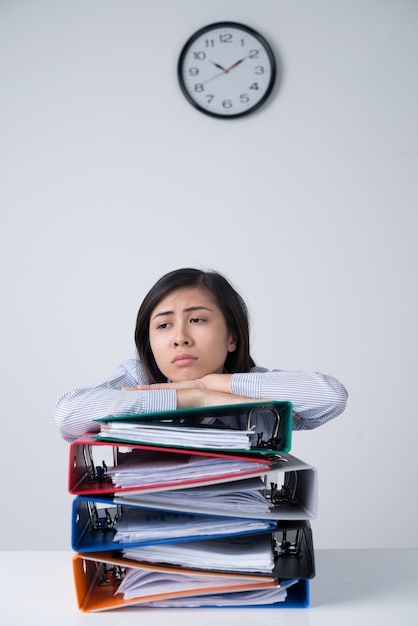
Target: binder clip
[274,441]
[287,492]
[284,547]
[95,472]
[105,522]
[109,575]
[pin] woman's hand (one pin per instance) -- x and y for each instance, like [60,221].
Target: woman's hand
[184,384]
[210,382]
[199,393]
[210,390]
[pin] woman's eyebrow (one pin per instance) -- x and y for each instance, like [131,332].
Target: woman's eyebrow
[189,309]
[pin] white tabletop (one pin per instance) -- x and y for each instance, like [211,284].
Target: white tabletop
[351,588]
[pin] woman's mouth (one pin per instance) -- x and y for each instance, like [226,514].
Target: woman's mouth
[184,359]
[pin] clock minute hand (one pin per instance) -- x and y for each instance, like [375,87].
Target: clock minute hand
[231,67]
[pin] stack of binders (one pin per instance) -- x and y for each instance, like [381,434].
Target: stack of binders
[180,509]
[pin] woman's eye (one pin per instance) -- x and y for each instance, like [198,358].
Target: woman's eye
[163,325]
[196,320]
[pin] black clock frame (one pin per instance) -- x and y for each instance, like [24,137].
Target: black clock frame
[250,31]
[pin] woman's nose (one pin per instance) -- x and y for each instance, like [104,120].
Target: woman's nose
[181,342]
[181,337]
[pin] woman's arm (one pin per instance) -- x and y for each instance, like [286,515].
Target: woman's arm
[316,397]
[76,410]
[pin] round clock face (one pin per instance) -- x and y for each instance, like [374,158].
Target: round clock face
[226,70]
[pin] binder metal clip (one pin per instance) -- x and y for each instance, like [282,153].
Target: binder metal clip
[288,547]
[274,441]
[109,575]
[95,472]
[287,492]
[105,522]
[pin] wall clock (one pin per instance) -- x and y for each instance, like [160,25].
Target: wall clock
[226,70]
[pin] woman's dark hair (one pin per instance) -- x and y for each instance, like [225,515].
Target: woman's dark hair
[227,299]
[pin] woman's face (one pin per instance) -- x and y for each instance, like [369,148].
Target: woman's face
[188,335]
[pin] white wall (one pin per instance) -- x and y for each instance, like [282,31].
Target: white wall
[109,178]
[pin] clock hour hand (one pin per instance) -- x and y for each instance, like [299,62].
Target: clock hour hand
[218,66]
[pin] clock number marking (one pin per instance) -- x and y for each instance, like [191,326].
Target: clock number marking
[259,69]
[254,54]
[254,86]
[209,43]
[227,104]
[199,87]
[193,71]
[209,97]
[225,38]
[244,97]
[199,56]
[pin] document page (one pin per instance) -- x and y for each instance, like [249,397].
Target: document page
[260,597]
[142,582]
[244,554]
[242,497]
[142,525]
[141,467]
[178,434]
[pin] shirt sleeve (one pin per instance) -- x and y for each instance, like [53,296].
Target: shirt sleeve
[316,397]
[76,410]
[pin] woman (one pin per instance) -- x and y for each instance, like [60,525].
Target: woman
[192,339]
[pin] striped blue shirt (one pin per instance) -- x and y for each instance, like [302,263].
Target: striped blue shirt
[316,398]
